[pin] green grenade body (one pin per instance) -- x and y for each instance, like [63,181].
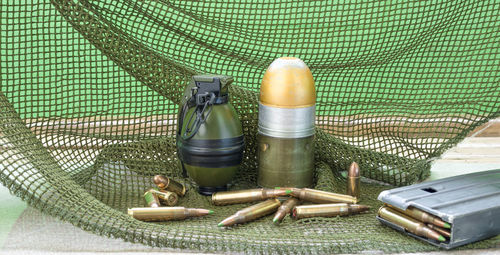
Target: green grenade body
[212,156]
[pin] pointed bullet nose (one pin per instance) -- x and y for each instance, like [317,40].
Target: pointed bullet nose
[360,208]
[354,170]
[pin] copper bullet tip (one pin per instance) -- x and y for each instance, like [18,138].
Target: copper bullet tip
[354,170]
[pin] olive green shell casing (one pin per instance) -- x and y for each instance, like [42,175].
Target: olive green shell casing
[285,161]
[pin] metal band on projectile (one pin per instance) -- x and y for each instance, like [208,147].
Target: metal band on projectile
[286,122]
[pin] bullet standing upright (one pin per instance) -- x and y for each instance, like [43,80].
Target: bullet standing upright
[353,180]
[286,125]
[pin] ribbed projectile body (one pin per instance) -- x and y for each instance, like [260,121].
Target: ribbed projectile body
[322,197]
[422,216]
[327,210]
[353,180]
[166,213]
[411,225]
[286,125]
[165,183]
[251,213]
[246,196]
[166,197]
[285,209]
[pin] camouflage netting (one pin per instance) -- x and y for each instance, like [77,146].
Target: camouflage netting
[90,89]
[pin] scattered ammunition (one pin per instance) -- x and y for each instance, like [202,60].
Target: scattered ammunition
[151,199]
[327,210]
[353,180]
[246,196]
[322,197]
[422,216]
[441,231]
[168,184]
[166,213]
[166,197]
[250,213]
[285,209]
[411,225]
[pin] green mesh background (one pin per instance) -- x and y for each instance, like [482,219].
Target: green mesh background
[89,92]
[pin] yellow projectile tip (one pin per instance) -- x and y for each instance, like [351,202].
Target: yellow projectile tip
[288,83]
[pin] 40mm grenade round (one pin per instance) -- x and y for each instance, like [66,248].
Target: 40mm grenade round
[286,125]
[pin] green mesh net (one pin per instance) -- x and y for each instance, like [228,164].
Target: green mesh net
[90,91]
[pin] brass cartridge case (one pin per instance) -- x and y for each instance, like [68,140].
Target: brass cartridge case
[285,209]
[441,231]
[409,224]
[327,210]
[322,197]
[353,180]
[251,213]
[151,199]
[422,216]
[166,197]
[246,196]
[166,183]
[166,213]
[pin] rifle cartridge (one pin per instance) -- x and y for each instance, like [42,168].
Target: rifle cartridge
[165,183]
[251,213]
[246,196]
[422,216]
[285,209]
[327,210]
[441,231]
[353,180]
[151,199]
[166,213]
[322,197]
[408,223]
[166,197]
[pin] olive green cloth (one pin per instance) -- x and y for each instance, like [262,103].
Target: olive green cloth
[90,91]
